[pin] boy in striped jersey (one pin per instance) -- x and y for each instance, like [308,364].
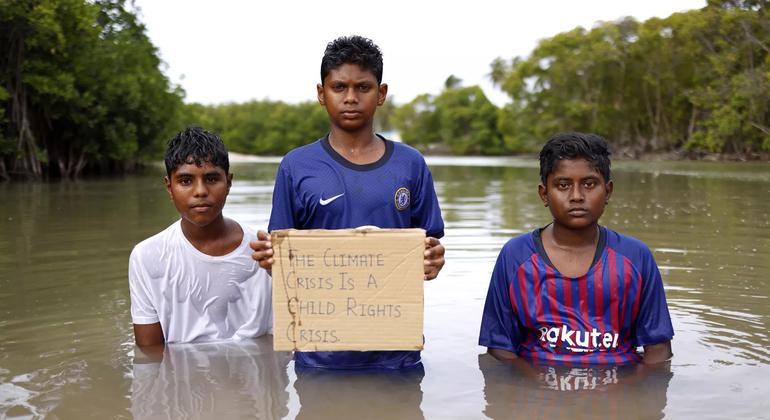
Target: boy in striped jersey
[575,292]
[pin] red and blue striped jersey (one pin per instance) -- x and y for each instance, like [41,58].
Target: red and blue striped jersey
[600,317]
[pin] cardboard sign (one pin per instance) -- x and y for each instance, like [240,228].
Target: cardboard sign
[349,289]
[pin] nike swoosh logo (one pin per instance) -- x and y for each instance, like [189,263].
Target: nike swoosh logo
[323,202]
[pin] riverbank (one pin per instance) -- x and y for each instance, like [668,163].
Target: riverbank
[679,155]
[625,155]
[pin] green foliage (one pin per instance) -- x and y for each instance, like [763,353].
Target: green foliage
[452,82]
[261,127]
[460,119]
[468,121]
[417,121]
[84,88]
[383,118]
[697,80]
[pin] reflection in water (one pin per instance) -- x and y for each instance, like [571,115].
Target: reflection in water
[522,390]
[225,380]
[335,394]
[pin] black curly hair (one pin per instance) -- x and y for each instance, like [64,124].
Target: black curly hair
[590,147]
[353,49]
[196,145]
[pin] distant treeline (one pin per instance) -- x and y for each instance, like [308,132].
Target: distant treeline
[81,90]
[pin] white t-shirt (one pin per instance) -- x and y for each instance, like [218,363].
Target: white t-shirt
[195,296]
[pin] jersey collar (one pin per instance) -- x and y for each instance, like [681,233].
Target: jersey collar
[348,164]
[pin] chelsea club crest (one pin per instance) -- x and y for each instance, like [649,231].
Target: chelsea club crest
[401,198]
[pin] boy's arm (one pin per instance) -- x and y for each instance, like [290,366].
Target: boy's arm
[657,353]
[522,366]
[150,343]
[500,331]
[434,257]
[427,215]
[148,335]
[147,329]
[502,355]
[653,329]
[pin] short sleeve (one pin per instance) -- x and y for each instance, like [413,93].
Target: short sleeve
[653,323]
[285,202]
[142,309]
[499,324]
[426,213]
[261,321]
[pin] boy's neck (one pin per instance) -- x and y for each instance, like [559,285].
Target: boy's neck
[360,147]
[571,251]
[215,239]
[564,237]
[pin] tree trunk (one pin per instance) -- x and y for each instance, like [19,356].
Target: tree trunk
[29,164]
[650,114]
[69,165]
[3,171]
[80,165]
[693,118]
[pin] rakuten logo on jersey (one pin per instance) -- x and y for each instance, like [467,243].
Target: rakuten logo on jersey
[578,341]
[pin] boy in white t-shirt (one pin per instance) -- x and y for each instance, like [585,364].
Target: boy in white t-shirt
[196,280]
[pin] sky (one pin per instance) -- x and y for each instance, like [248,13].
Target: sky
[238,50]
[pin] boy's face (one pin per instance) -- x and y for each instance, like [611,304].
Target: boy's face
[351,95]
[199,192]
[576,193]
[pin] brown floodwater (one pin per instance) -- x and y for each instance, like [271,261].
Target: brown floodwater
[66,344]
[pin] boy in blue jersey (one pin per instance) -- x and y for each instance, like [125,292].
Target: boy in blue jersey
[353,177]
[575,291]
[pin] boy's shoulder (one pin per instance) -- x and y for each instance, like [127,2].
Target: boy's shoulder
[406,150]
[172,237]
[519,248]
[628,246]
[304,152]
[157,242]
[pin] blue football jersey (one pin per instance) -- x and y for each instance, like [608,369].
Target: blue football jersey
[316,188]
[598,318]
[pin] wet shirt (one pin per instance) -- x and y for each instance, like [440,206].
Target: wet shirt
[601,317]
[198,297]
[316,188]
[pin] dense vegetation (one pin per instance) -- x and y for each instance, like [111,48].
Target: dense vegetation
[698,80]
[81,89]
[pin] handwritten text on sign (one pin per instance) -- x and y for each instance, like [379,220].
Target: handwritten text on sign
[348,289]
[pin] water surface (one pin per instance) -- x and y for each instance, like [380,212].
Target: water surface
[65,331]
